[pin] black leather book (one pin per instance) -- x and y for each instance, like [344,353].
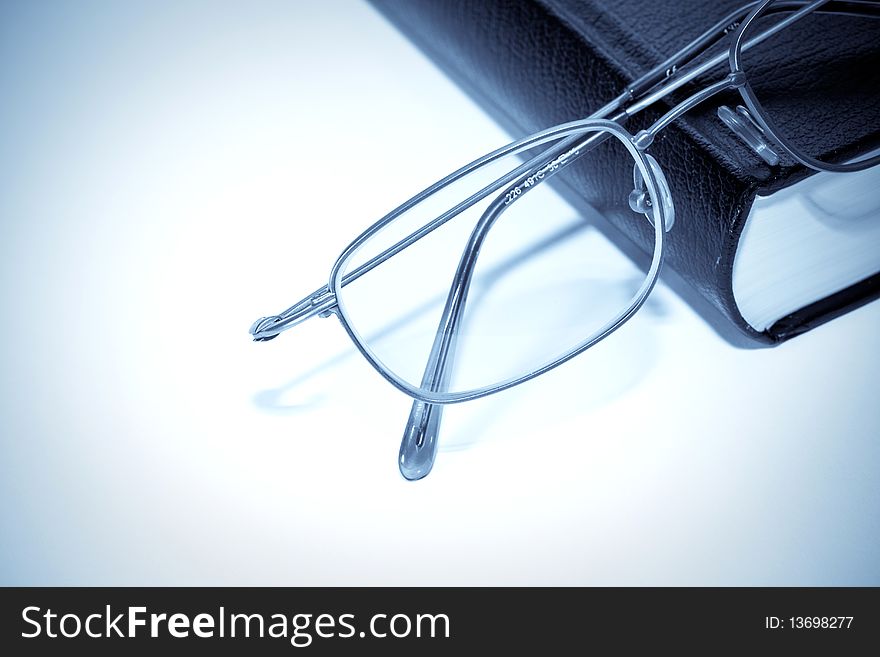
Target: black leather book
[537,63]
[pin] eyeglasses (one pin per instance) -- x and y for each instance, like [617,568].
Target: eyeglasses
[447,315]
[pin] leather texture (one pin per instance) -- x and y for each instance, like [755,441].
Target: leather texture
[536,63]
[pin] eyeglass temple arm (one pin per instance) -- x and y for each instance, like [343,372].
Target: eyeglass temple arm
[798,10]
[320,302]
[671,67]
[418,447]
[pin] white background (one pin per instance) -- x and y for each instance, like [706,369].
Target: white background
[171,172]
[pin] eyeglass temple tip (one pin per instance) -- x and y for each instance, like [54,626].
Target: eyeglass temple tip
[259,328]
[321,302]
[418,449]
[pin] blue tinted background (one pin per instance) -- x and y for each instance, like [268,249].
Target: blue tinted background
[171,171]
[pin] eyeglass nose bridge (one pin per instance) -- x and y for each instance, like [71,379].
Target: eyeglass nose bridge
[744,126]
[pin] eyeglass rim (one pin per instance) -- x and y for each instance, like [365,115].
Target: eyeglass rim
[574,128]
[761,116]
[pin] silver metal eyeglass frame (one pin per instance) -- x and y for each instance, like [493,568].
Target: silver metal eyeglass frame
[570,141]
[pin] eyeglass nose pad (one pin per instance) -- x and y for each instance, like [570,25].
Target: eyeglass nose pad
[640,200]
[418,449]
[743,126]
